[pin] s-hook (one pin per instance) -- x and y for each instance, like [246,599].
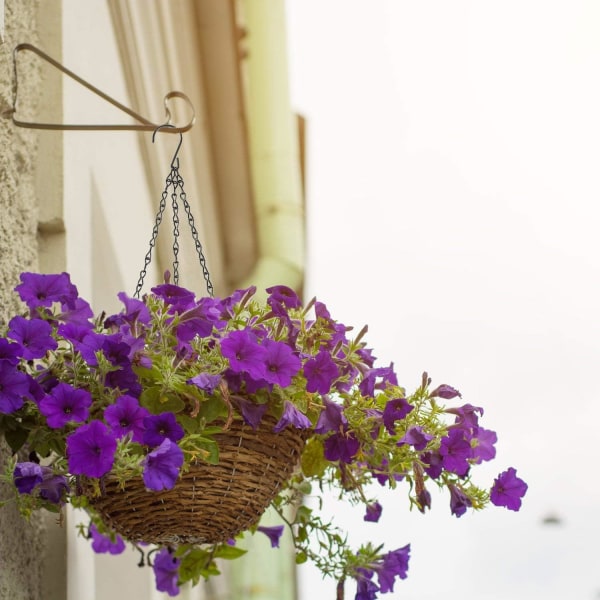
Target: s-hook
[144,123]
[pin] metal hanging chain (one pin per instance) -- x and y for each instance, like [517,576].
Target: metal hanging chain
[175,181]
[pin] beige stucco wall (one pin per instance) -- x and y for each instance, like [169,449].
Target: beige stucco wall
[21,544]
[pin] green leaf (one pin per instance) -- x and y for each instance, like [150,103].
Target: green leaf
[16,438]
[213,408]
[207,449]
[157,403]
[301,558]
[313,460]
[190,424]
[229,552]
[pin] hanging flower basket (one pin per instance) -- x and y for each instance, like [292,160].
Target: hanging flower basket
[209,503]
[178,420]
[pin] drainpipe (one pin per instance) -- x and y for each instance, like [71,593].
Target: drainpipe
[266,573]
[273,148]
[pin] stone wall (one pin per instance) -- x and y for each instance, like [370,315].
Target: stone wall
[22,544]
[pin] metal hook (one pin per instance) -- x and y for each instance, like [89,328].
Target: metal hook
[175,158]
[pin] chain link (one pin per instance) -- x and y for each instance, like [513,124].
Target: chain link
[175,181]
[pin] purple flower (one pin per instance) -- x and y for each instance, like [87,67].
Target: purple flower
[161,466]
[26,476]
[159,427]
[13,386]
[177,297]
[10,352]
[445,391]
[415,437]
[332,418]
[459,501]
[395,410]
[273,533]
[320,373]
[508,489]
[126,416]
[103,543]
[281,364]
[251,412]
[369,383]
[245,354]
[135,310]
[395,564]
[485,444]
[205,382]
[34,336]
[65,404]
[291,416]
[42,290]
[78,311]
[466,416]
[91,450]
[53,487]
[455,449]
[166,572]
[341,446]
[373,512]
[365,588]
[282,296]
[432,462]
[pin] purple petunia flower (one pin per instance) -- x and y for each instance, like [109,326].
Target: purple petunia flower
[447,392]
[205,382]
[432,462]
[91,450]
[508,489]
[369,383]
[26,476]
[320,372]
[282,296]
[394,564]
[161,466]
[102,544]
[13,386]
[251,412]
[365,588]
[38,289]
[281,364]
[126,416]
[10,352]
[466,415]
[373,512]
[485,444]
[332,418]
[53,487]
[395,410]
[244,353]
[455,451]
[415,437]
[78,311]
[459,501]
[175,296]
[273,533]
[34,335]
[166,572]
[291,416]
[135,310]
[159,427]
[341,446]
[65,404]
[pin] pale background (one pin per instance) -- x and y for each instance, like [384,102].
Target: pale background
[453,153]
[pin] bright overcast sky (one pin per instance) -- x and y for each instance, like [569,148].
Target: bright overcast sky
[453,205]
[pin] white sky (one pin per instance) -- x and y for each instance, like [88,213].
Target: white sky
[453,186]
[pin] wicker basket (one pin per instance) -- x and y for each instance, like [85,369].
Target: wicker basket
[209,503]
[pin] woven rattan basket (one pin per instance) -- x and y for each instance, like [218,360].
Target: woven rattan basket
[209,503]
